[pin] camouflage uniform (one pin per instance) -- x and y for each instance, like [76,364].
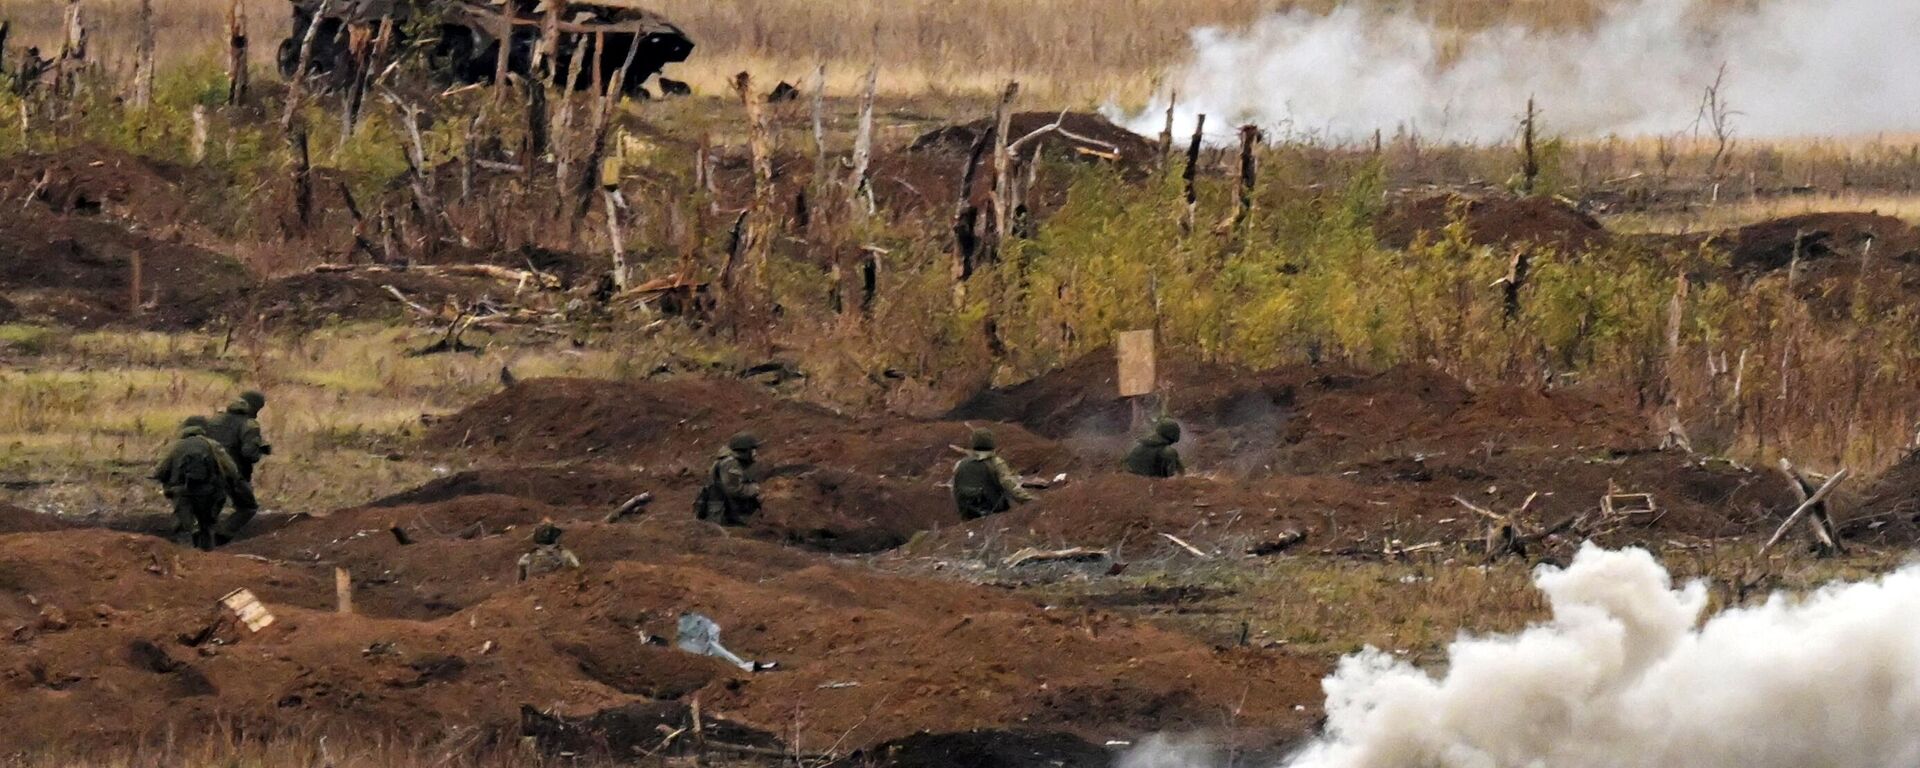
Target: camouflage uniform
[983,484]
[197,476]
[547,555]
[238,431]
[1154,454]
[731,495]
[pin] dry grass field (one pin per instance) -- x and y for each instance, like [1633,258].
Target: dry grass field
[1063,51]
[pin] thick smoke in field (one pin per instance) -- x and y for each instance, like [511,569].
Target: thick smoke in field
[1792,67]
[1624,674]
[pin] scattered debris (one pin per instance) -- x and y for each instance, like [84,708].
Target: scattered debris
[248,609]
[633,506]
[700,635]
[1285,541]
[1031,556]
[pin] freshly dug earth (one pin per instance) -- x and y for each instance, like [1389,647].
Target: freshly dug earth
[1540,222]
[313,299]
[78,271]
[1771,245]
[117,636]
[1132,149]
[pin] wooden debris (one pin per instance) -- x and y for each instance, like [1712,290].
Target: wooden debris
[632,506]
[1809,504]
[343,590]
[400,535]
[1191,549]
[248,609]
[1034,556]
[1285,541]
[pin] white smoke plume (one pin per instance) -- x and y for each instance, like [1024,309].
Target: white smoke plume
[1625,675]
[1793,68]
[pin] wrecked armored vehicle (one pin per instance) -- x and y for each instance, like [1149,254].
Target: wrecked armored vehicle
[461,39]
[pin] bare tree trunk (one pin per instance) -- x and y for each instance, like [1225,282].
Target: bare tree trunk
[143,63]
[1003,169]
[297,84]
[1192,173]
[1166,132]
[197,146]
[860,189]
[302,175]
[820,131]
[620,272]
[236,52]
[73,51]
[1249,173]
[758,234]
[508,14]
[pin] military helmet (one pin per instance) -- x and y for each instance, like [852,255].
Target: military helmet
[745,441]
[982,440]
[195,420]
[1168,429]
[547,534]
[240,407]
[254,399]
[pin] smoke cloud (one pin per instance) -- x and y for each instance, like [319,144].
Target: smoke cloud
[1624,674]
[1793,68]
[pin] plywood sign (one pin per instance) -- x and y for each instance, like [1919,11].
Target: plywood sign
[1135,350]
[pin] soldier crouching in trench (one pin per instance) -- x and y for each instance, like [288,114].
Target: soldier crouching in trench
[1154,455]
[547,555]
[197,476]
[730,495]
[983,484]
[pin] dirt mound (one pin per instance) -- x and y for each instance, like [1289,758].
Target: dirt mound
[1889,508]
[99,180]
[571,485]
[79,271]
[1770,245]
[990,749]
[1494,221]
[676,426]
[1131,149]
[312,299]
[116,637]
[1307,419]
[20,520]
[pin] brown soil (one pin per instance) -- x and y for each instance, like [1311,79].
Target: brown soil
[116,637]
[20,520]
[1532,221]
[78,271]
[96,180]
[1134,150]
[1770,245]
[313,299]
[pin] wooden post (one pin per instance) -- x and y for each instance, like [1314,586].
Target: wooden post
[507,15]
[820,131]
[1192,172]
[236,52]
[539,122]
[1529,157]
[5,27]
[135,269]
[197,146]
[1249,172]
[343,590]
[302,174]
[1136,375]
[699,734]
[143,62]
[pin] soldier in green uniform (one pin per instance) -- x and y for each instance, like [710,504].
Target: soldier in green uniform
[731,495]
[983,484]
[1154,454]
[238,431]
[547,555]
[197,476]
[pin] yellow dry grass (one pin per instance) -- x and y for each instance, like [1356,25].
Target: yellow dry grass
[1063,51]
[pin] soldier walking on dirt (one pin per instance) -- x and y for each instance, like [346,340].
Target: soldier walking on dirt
[730,495]
[197,476]
[1154,454]
[238,431]
[547,555]
[983,484]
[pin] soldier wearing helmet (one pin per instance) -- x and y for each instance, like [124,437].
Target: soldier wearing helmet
[1154,455]
[731,495]
[983,484]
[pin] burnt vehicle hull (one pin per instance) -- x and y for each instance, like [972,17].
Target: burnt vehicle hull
[461,39]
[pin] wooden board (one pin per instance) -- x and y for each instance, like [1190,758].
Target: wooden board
[1136,361]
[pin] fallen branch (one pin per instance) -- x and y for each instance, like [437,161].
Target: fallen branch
[1195,551]
[409,303]
[1825,488]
